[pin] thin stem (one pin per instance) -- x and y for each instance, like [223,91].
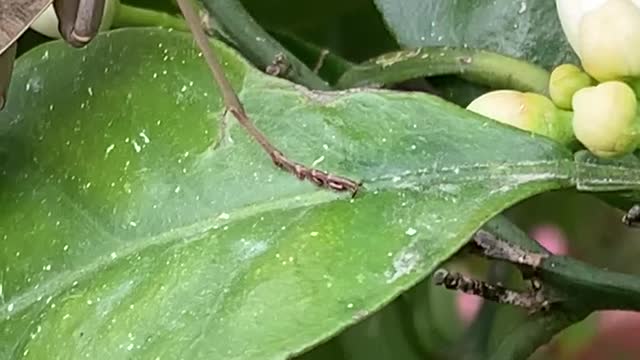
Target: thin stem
[475,342]
[234,106]
[575,289]
[483,67]
[230,98]
[597,289]
[257,45]
[572,282]
[532,300]
[131,16]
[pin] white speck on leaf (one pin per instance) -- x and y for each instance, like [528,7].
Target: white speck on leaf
[34,84]
[114,255]
[136,147]
[223,216]
[10,307]
[411,231]
[313,233]
[317,161]
[251,249]
[144,137]
[405,261]
[523,7]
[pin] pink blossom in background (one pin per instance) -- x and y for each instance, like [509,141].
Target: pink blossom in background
[618,335]
[618,332]
[551,238]
[468,306]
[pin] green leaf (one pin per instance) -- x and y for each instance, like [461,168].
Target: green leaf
[523,29]
[615,180]
[125,234]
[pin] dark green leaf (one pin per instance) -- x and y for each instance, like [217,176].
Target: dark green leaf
[352,29]
[125,234]
[420,324]
[527,30]
[326,64]
[615,180]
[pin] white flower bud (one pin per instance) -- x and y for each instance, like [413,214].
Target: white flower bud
[565,80]
[527,111]
[605,34]
[605,119]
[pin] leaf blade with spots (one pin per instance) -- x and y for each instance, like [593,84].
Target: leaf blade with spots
[527,29]
[126,233]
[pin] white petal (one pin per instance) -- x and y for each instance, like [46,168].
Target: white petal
[571,13]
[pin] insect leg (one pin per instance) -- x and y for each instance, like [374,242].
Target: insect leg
[79,19]
[6,67]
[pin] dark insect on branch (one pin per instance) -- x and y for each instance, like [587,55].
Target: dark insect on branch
[234,106]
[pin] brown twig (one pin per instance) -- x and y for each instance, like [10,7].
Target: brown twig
[234,106]
[492,247]
[533,300]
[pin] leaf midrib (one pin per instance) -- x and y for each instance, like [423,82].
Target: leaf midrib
[520,173]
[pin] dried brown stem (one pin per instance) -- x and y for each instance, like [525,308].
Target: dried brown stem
[233,105]
[492,247]
[533,300]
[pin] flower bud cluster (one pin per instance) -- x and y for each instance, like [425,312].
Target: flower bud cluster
[597,105]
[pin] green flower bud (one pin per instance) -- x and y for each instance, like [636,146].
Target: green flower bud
[565,80]
[527,111]
[605,119]
[605,34]
[47,23]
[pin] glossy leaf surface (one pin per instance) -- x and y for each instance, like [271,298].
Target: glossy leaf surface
[126,234]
